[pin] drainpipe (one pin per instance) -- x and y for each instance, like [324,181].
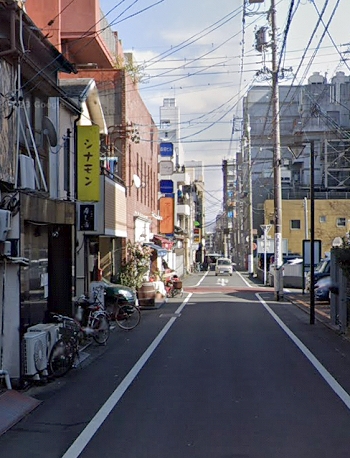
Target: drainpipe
[6,375]
[75,194]
[3,372]
[13,49]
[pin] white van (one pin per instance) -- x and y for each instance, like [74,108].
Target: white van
[223,266]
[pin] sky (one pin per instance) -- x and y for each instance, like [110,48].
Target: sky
[202,53]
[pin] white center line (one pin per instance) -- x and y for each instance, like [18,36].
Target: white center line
[92,427]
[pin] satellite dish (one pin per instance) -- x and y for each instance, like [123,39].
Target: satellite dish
[137,181]
[49,130]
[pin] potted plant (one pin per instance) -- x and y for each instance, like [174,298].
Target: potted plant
[134,270]
[136,265]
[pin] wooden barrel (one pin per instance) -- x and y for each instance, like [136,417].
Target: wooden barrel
[147,294]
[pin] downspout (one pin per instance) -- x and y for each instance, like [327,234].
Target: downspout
[4,373]
[75,194]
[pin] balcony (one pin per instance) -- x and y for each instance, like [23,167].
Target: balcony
[183,206]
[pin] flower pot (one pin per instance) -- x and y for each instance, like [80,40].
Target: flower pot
[146,294]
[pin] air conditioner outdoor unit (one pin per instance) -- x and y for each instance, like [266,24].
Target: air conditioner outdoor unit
[26,172]
[52,334]
[5,224]
[35,351]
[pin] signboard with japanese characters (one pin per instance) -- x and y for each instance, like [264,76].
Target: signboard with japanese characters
[166,167]
[166,210]
[166,149]
[166,186]
[88,163]
[87,217]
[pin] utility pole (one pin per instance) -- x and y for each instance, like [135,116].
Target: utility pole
[278,279]
[250,201]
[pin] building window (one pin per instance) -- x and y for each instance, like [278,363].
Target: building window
[295,223]
[341,222]
[323,219]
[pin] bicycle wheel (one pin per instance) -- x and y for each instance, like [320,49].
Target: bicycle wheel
[61,358]
[100,325]
[128,316]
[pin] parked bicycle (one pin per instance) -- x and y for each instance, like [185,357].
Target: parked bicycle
[65,351]
[91,321]
[173,287]
[125,314]
[120,308]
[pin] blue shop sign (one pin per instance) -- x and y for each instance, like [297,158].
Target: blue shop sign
[166,186]
[166,149]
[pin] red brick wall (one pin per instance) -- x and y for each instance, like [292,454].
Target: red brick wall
[119,94]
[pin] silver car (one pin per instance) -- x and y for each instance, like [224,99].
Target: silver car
[223,266]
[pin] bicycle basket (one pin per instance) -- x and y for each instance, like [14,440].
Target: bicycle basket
[68,328]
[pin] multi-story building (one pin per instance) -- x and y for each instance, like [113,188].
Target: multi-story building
[37,213]
[317,112]
[186,189]
[331,221]
[128,209]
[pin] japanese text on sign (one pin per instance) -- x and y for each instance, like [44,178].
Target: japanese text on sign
[166,149]
[88,153]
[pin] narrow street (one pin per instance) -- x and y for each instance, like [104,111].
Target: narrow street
[224,371]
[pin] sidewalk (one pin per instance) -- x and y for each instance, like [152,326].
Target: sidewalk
[296,297]
[322,309]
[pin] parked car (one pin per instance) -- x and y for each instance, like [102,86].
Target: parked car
[292,258]
[121,292]
[322,269]
[223,266]
[322,289]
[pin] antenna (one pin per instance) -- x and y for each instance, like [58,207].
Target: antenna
[49,130]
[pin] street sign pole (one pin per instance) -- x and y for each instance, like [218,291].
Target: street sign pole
[265,228]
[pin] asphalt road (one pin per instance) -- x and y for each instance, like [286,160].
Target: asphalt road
[226,373]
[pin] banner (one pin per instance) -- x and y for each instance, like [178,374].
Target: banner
[166,211]
[88,163]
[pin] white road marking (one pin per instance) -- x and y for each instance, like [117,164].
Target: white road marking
[89,431]
[329,379]
[245,281]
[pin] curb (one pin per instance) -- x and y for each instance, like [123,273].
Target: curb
[156,306]
[322,317]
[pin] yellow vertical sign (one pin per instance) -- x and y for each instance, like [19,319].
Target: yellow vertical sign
[88,163]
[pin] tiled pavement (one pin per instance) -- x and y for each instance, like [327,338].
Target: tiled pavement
[322,309]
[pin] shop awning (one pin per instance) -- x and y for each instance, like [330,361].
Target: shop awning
[160,251]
